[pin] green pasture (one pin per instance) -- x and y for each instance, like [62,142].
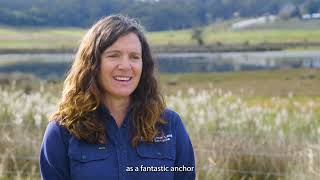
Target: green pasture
[40,38]
[212,36]
[217,33]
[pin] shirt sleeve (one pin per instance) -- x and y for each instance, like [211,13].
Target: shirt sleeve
[54,163]
[184,153]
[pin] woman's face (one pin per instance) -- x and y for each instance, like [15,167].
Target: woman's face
[121,66]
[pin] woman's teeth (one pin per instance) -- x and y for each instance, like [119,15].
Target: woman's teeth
[122,78]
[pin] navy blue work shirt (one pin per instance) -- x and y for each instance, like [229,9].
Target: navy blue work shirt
[169,157]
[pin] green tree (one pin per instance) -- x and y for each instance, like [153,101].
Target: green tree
[197,34]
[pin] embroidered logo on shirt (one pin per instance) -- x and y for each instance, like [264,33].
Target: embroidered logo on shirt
[102,148]
[163,138]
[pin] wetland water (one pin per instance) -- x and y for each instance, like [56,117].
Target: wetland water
[56,65]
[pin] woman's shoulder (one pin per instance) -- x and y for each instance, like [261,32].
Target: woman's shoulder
[174,126]
[55,126]
[171,117]
[55,130]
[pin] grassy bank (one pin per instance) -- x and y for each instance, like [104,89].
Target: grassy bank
[217,37]
[302,82]
[263,83]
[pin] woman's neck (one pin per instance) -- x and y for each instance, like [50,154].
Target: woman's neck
[117,107]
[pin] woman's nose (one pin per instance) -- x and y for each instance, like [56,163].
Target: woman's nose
[125,63]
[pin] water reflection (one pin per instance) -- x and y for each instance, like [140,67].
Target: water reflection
[56,65]
[209,62]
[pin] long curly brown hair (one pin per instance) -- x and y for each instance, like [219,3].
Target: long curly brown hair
[82,94]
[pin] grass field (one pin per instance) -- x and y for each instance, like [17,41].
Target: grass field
[39,38]
[68,38]
[236,135]
[212,36]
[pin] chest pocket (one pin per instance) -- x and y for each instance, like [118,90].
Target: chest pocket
[87,156]
[91,162]
[159,150]
[83,152]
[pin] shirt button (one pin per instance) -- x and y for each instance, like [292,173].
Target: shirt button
[84,157]
[159,153]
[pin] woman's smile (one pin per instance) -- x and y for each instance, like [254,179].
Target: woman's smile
[122,78]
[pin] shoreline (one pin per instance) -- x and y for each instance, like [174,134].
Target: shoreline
[211,48]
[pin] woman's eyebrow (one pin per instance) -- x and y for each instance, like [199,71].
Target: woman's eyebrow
[112,51]
[117,51]
[136,53]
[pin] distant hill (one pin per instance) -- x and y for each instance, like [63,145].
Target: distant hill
[154,14]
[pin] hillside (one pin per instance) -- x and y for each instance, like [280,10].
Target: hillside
[217,37]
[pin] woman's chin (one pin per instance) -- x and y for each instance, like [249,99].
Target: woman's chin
[121,94]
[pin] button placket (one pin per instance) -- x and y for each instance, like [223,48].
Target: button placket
[120,139]
[123,131]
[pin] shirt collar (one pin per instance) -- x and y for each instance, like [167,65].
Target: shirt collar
[104,112]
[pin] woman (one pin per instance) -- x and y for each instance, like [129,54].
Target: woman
[112,122]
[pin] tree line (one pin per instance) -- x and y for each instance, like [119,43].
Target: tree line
[153,14]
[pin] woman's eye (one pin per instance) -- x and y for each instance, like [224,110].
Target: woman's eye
[113,55]
[136,57]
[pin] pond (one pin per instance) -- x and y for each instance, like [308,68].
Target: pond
[56,65]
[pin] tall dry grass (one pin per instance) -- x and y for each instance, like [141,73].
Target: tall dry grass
[23,118]
[233,139]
